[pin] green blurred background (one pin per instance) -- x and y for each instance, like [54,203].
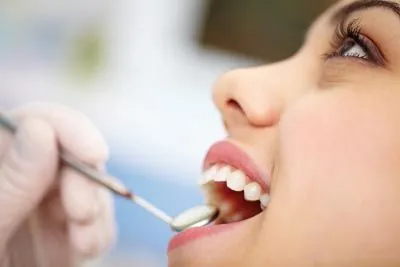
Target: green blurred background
[269,30]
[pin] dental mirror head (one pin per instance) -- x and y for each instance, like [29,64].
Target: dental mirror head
[194,217]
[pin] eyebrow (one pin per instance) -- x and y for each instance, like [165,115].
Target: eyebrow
[359,5]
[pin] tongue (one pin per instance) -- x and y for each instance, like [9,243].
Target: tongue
[233,207]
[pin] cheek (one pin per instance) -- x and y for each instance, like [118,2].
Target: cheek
[341,130]
[338,174]
[315,132]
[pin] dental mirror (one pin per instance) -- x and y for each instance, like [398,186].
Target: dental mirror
[194,217]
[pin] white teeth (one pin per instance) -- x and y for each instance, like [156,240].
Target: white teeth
[252,192]
[208,175]
[236,181]
[264,199]
[211,173]
[222,174]
[202,181]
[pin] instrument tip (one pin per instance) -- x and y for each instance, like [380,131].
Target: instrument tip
[128,194]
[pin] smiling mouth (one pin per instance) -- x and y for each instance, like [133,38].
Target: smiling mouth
[232,182]
[233,193]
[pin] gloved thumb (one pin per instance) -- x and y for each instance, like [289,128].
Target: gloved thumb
[27,171]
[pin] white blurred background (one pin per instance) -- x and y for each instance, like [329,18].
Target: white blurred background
[136,69]
[133,66]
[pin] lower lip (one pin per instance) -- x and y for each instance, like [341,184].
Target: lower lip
[196,233]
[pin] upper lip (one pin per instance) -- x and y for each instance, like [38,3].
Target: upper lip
[225,152]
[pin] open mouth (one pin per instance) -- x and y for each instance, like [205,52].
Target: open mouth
[235,195]
[232,183]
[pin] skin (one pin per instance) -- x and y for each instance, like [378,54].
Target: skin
[328,130]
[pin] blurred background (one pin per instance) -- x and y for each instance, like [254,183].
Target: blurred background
[143,72]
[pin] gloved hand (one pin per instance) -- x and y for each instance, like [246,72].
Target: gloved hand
[51,217]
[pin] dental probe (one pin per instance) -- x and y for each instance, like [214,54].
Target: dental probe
[194,217]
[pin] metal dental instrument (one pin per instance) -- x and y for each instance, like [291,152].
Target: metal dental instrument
[194,217]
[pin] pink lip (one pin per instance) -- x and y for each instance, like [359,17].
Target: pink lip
[189,235]
[227,153]
[222,152]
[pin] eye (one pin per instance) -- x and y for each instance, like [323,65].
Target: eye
[352,49]
[348,42]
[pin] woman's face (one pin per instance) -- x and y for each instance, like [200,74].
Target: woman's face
[322,130]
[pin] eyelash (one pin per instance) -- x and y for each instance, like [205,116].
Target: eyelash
[351,34]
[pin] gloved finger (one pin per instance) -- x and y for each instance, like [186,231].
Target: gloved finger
[87,240]
[26,173]
[77,135]
[108,216]
[55,209]
[75,132]
[79,196]
[93,238]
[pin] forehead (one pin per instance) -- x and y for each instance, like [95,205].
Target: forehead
[330,11]
[322,21]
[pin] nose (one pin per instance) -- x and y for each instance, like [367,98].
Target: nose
[250,96]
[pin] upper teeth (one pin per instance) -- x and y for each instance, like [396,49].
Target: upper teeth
[252,192]
[237,181]
[222,174]
[264,200]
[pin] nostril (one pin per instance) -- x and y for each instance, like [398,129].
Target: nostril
[235,105]
[263,114]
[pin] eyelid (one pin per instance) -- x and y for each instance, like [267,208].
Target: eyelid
[353,29]
[373,49]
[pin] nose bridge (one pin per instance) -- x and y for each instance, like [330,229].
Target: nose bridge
[259,93]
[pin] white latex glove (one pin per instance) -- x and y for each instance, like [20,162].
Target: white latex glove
[51,217]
